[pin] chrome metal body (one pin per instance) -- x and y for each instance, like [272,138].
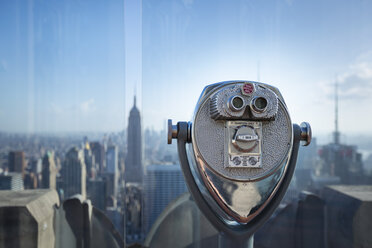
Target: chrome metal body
[238,163]
[241,194]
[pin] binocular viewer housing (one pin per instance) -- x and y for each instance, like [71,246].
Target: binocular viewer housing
[248,101]
[239,153]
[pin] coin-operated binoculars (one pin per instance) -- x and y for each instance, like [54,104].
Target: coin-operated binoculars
[238,156]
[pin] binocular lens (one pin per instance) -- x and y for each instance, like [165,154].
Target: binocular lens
[259,104]
[237,103]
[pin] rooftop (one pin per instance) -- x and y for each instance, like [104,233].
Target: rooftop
[9,198]
[360,192]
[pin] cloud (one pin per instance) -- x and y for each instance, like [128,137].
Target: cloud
[354,86]
[82,108]
[88,106]
[356,83]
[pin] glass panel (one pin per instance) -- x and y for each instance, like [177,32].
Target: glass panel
[86,88]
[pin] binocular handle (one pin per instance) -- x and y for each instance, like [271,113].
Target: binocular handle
[239,234]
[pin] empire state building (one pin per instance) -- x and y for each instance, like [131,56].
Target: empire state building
[133,162]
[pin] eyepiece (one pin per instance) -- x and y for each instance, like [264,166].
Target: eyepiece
[259,104]
[236,103]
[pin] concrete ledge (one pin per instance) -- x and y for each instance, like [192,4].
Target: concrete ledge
[27,218]
[349,214]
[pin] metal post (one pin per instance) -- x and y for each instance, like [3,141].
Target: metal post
[227,241]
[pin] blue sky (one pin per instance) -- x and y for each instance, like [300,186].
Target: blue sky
[75,65]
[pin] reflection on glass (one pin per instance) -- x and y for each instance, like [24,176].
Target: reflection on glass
[69,72]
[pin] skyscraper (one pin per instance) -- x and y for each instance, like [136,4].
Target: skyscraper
[112,170]
[163,184]
[133,163]
[96,191]
[31,181]
[49,171]
[11,181]
[112,159]
[74,173]
[17,162]
[90,163]
[98,150]
[133,213]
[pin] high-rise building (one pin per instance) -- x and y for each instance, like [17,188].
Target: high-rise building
[112,170]
[133,213]
[89,160]
[163,184]
[74,173]
[49,171]
[96,191]
[112,159]
[30,181]
[133,177]
[11,181]
[36,165]
[17,162]
[98,151]
[117,218]
[133,163]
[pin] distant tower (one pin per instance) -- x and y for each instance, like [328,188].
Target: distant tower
[336,134]
[49,172]
[341,163]
[74,173]
[133,163]
[17,162]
